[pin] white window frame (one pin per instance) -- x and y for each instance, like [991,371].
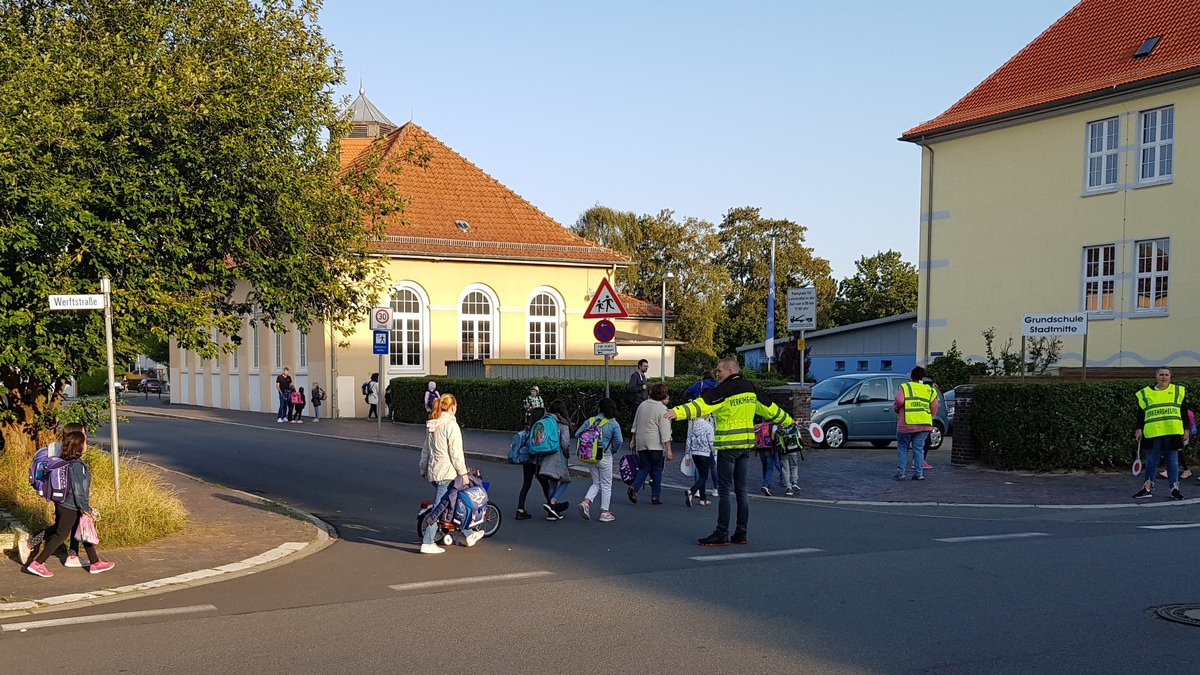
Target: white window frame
[1156,146]
[301,353]
[492,317]
[278,352]
[542,322]
[255,349]
[1093,263]
[235,358]
[409,329]
[216,362]
[1155,280]
[1102,166]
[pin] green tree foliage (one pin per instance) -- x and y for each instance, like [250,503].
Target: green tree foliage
[746,241]
[883,286]
[950,370]
[188,150]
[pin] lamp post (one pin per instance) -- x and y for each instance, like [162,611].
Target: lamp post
[662,362]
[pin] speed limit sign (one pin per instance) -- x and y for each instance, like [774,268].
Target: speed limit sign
[381,318]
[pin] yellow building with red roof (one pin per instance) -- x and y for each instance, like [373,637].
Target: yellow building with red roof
[1068,181]
[476,272]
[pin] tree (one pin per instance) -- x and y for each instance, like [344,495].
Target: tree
[188,149]
[746,239]
[883,286]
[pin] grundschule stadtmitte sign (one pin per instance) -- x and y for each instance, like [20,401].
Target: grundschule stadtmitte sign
[1074,323]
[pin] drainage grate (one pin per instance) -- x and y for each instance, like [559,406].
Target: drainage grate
[1188,615]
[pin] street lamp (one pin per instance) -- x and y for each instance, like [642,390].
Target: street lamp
[662,363]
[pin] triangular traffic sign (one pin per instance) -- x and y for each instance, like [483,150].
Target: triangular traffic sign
[605,303]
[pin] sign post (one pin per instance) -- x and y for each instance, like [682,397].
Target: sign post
[381,324]
[605,305]
[802,316]
[605,331]
[1071,323]
[103,300]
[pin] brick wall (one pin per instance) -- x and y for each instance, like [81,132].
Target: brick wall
[797,402]
[962,449]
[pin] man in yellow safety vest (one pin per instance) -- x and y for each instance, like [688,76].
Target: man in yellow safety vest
[1163,429]
[916,403]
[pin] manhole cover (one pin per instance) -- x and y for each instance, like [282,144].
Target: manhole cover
[1186,614]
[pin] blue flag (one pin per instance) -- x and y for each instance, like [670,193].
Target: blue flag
[770,344]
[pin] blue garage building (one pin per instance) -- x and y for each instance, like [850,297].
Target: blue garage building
[877,346]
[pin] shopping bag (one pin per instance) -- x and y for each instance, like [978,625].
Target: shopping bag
[86,530]
[686,467]
[628,468]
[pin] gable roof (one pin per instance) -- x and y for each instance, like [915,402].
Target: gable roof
[1088,53]
[501,225]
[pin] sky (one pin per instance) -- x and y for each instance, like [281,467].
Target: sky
[792,106]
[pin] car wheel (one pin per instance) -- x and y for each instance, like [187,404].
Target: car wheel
[936,437]
[835,435]
[881,444]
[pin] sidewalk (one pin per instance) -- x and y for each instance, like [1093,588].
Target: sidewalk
[838,476]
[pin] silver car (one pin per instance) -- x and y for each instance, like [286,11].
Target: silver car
[864,413]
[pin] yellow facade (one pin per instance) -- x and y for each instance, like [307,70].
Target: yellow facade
[1012,217]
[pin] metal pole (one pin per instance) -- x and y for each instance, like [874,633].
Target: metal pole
[379,399]
[606,376]
[1085,357]
[802,380]
[662,357]
[106,289]
[332,388]
[1022,357]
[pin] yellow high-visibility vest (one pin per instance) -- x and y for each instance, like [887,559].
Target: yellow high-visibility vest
[918,398]
[1164,410]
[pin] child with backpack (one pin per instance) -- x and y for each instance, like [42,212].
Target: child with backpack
[529,468]
[37,480]
[699,444]
[442,461]
[318,397]
[788,446]
[599,436]
[298,403]
[553,470]
[73,514]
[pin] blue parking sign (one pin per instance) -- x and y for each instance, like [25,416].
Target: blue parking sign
[381,342]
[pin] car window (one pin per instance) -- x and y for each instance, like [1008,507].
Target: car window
[849,396]
[875,389]
[833,387]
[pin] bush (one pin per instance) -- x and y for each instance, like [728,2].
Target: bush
[94,383]
[1044,426]
[950,370]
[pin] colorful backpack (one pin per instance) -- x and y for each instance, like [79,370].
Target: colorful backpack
[543,436]
[296,398]
[470,508]
[518,452]
[50,477]
[628,468]
[762,435]
[589,450]
[788,440]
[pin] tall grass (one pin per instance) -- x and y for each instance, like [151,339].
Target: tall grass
[148,510]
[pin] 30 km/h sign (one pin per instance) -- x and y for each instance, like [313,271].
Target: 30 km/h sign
[381,318]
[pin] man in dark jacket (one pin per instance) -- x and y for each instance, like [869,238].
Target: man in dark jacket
[637,391]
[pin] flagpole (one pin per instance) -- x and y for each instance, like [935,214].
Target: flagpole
[770,342]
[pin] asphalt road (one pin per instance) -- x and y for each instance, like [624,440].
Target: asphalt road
[830,590]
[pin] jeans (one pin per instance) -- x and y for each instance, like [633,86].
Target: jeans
[770,464]
[916,441]
[285,402]
[1157,448]
[601,474]
[650,463]
[703,465]
[316,412]
[441,487]
[790,469]
[731,479]
[529,470]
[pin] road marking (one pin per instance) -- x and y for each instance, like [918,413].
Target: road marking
[96,618]
[1178,526]
[470,580]
[759,554]
[993,537]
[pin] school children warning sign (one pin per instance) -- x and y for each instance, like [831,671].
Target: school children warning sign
[605,303]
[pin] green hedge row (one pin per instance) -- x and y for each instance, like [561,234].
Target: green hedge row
[1055,426]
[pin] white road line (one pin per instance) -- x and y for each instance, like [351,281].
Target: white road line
[746,556]
[1177,526]
[96,618]
[993,537]
[470,580]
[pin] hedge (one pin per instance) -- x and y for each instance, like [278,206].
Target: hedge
[1055,426]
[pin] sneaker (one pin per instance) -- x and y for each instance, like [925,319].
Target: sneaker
[704,502]
[72,561]
[561,508]
[1176,494]
[523,515]
[315,420]
[632,495]
[432,548]
[766,490]
[607,517]
[279,421]
[918,477]
[24,550]
[898,476]
[102,566]
[738,538]
[39,569]
[795,488]
[1187,473]
[687,498]
[713,540]
[789,492]
[584,509]
[299,421]
[551,512]
[1143,493]
[927,465]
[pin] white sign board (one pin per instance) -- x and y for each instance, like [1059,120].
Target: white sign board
[381,318]
[1074,323]
[802,309]
[77,302]
[606,349]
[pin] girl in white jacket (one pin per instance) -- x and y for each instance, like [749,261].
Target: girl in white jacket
[442,458]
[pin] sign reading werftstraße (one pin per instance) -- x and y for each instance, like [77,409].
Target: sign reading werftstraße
[77,301]
[1073,323]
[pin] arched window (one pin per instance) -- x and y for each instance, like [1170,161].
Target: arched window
[406,329]
[475,323]
[543,327]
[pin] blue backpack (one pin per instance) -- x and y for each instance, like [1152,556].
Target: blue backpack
[50,476]
[469,508]
[518,452]
[543,437]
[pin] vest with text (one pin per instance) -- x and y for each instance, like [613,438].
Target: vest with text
[1164,410]
[917,401]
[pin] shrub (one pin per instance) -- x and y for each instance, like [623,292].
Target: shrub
[950,370]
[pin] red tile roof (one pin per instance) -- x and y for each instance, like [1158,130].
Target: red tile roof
[502,225]
[1087,52]
[641,309]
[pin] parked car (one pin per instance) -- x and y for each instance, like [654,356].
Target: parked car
[151,385]
[863,411]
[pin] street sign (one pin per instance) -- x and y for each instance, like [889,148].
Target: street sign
[605,303]
[604,331]
[60,302]
[801,344]
[606,349]
[1072,323]
[380,344]
[381,319]
[802,309]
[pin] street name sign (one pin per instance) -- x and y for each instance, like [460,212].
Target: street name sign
[60,302]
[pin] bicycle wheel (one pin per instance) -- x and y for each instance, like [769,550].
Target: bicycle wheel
[491,519]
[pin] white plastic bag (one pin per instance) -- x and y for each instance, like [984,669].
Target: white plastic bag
[686,467]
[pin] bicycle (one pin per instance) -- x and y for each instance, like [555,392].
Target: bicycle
[585,409]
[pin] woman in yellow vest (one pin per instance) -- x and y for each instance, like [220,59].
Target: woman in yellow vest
[916,403]
[1163,429]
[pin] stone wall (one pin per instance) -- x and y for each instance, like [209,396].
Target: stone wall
[963,450]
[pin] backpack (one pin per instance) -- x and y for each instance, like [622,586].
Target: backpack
[366,388]
[50,477]
[295,398]
[589,450]
[762,435]
[788,440]
[543,436]
[628,468]
[469,508]
[518,452]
